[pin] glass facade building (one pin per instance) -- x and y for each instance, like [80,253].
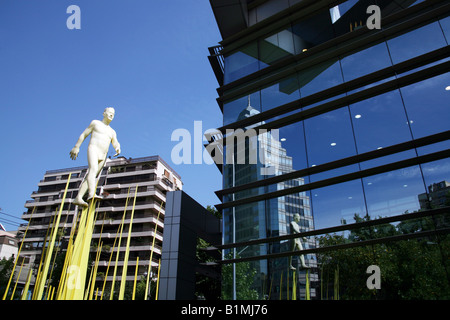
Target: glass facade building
[350,128]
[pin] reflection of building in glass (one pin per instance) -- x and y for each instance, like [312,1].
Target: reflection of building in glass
[362,126]
[269,218]
[438,196]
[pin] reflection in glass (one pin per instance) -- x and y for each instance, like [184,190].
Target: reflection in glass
[415,266]
[241,108]
[365,61]
[280,93]
[394,192]
[337,204]
[380,122]
[427,105]
[241,63]
[312,31]
[329,137]
[277,46]
[437,180]
[320,77]
[416,42]
[445,24]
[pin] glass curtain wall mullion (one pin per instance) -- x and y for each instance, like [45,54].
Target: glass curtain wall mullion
[344,227]
[352,85]
[358,96]
[349,42]
[343,178]
[420,234]
[309,170]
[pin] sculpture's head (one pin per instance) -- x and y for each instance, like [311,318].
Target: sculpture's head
[296,217]
[108,114]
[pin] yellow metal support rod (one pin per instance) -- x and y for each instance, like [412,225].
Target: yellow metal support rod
[51,245]
[127,252]
[17,257]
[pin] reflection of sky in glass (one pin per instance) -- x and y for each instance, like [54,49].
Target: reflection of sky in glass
[379,122]
[329,137]
[436,171]
[427,104]
[333,203]
[393,192]
[416,42]
[366,61]
[341,9]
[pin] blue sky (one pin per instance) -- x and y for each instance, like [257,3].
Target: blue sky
[146,58]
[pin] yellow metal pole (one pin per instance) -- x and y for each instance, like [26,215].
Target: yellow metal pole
[135,278]
[48,236]
[109,261]
[151,254]
[43,253]
[53,293]
[51,245]
[94,272]
[80,255]
[118,247]
[157,281]
[127,251]
[307,285]
[294,287]
[287,285]
[65,288]
[281,283]
[27,285]
[17,257]
[17,280]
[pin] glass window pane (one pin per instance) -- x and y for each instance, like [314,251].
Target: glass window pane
[427,105]
[241,63]
[336,204]
[445,24]
[416,42]
[241,108]
[437,180]
[275,47]
[329,137]
[394,192]
[285,91]
[365,61]
[312,31]
[320,77]
[380,122]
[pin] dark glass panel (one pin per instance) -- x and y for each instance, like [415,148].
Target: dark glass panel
[337,204]
[394,192]
[329,137]
[241,62]
[416,42]
[427,105]
[365,61]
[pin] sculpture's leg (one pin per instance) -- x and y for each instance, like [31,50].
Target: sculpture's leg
[81,192]
[100,164]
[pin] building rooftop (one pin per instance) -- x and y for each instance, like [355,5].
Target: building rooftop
[117,161]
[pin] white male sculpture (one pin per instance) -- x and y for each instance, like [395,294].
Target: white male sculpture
[101,136]
[297,244]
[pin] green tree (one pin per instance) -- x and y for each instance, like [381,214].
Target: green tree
[245,277]
[6,267]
